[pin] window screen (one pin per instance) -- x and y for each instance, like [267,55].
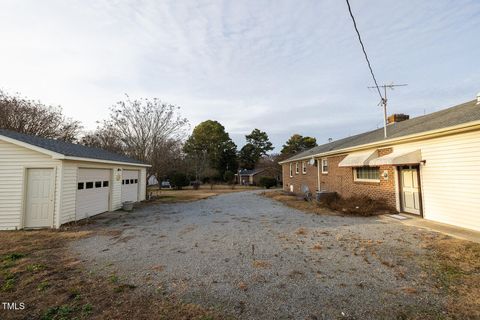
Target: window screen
[368,173]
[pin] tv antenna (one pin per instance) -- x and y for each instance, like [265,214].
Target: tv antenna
[384,100]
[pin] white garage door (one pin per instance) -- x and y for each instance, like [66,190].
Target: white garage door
[130,185]
[93,192]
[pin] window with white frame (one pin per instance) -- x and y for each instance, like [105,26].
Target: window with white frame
[291,170]
[367,174]
[297,169]
[324,165]
[304,167]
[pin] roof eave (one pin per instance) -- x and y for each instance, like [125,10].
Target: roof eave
[60,156]
[105,161]
[468,126]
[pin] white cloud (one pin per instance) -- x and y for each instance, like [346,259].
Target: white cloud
[282,66]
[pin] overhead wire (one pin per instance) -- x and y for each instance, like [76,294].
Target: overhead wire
[364,51]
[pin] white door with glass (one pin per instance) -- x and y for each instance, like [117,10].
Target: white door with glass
[410,191]
[39,202]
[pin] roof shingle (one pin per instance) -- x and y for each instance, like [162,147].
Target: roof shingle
[68,149]
[462,113]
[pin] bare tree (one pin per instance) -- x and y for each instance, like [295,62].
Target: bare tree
[144,125]
[147,130]
[33,117]
[105,137]
[168,158]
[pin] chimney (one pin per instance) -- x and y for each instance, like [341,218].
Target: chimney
[397,117]
[478,98]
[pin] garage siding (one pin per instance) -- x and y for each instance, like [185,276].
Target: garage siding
[13,161]
[117,190]
[69,192]
[142,184]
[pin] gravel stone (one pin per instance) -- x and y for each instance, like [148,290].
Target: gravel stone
[254,258]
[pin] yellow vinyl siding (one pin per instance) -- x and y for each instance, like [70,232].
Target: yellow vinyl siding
[13,162]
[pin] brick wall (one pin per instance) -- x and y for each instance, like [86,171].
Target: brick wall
[309,179]
[341,180]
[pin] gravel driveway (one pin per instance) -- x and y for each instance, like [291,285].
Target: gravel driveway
[254,258]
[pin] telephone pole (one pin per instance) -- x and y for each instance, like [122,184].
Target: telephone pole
[384,100]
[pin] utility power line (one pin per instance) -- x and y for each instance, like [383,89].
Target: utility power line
[364,51]
[383,98]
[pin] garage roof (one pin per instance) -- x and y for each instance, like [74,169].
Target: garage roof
[68,149]
[456,115]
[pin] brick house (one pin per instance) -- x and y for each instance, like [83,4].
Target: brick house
[428,165]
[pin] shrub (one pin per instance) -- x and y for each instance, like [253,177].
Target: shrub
[179,180]
[267,182]
[229,177]
[357,205]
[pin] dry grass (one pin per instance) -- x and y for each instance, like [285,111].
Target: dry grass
[189,194]
[301,232]
[456,265]
[261,264]
[359,206]
[297,203]
[242,286]
[317,247]
[36,268]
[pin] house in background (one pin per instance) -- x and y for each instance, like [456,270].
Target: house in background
[247,177]
[46,183]
[252,177]
[427,166]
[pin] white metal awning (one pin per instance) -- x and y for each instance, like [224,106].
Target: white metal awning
[398,158]
[358,159]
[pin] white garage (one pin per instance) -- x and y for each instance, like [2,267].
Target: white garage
[130,185]
[47,183]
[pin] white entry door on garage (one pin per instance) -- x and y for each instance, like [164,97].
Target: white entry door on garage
[39,202]
[93,192]
[130,185]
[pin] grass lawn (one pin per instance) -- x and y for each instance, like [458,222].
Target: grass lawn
[37,269]
[189,194]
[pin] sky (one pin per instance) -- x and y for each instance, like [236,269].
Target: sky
[282,66]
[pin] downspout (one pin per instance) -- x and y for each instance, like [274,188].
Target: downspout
[318,175]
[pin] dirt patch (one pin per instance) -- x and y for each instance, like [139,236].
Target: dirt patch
[37,269]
